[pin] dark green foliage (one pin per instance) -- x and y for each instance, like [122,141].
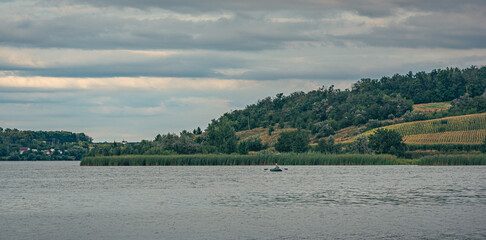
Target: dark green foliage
[72,145]
[327,146]
[483,146]
[293,141]
[387,141]
[243,147]
[411,116]
[361,145]
[255,159]
[197,131]
[270,130]
[325,128]
[166,144]
[255,144]
[467,105]
[222,135]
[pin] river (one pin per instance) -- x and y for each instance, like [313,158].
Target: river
[61,200]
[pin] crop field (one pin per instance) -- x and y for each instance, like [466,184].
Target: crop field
[453,137]
[466,129]
[431,107]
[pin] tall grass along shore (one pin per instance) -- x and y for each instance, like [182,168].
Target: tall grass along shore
[460,159]
[257,159]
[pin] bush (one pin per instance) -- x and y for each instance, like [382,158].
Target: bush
[293,141]
[387,141]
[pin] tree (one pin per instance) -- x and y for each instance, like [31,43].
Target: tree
[197,131]
[483,147]
[327,146]
[293,141]
[270,130]
[387,141]
[360,145]
[243,147]
[222,135]
[255,144]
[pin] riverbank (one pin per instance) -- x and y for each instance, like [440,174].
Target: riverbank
[282,159]
[256,159]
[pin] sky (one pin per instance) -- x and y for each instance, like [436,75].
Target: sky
[129,70]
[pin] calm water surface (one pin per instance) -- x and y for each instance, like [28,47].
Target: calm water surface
[61,200]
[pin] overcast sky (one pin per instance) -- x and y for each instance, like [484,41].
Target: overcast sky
[130,69]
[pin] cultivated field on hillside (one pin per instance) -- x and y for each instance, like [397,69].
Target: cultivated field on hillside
[466,129]
[431,107]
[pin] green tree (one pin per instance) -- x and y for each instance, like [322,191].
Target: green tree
[387,141]
[243,147]
[293,141]
[222,135]
[327,146]
[270,130]
[255,144]
[360,145]
[483,147]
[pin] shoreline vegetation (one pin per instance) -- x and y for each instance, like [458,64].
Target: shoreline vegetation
[282,159]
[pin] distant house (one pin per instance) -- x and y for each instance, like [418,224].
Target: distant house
[23,149]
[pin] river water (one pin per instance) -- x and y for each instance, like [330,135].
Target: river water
[61,200]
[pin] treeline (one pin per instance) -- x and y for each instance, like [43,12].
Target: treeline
[35,139]
[221,139]
[327,110]
[42,145]
[218,138]
[320,113]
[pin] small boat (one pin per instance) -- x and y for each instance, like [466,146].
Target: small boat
[275,169]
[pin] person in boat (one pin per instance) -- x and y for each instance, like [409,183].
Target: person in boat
[276,166]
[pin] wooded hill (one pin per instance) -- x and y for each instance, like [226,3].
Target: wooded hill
[370,102]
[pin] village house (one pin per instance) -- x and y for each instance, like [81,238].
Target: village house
[23,149]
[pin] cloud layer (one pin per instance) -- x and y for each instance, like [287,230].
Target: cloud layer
[159,66]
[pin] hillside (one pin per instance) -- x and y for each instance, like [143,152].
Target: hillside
[431,107]
[328,111]
[262,133]
[465,129]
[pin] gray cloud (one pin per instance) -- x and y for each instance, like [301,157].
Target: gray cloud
[248,27]
[85,31]
[439,30]
[187,66]
[279,45]
[372,8]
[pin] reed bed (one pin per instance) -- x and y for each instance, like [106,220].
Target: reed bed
[232,159]
[460,159]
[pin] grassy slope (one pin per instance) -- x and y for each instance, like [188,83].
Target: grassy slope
[465,129]
[263,134]
[431,107]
